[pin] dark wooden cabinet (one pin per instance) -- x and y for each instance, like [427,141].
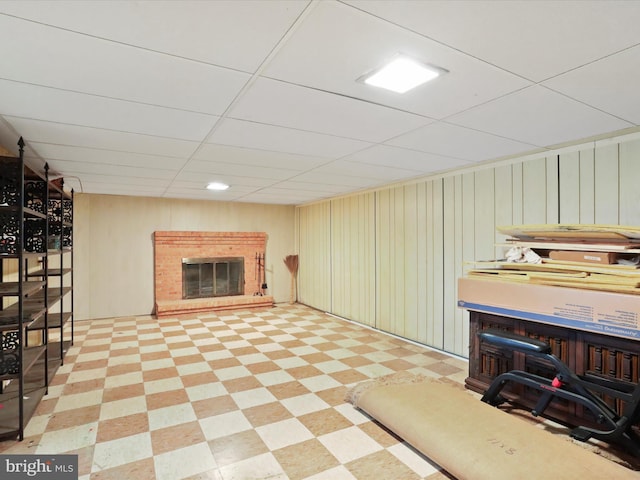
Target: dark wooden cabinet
[586,353]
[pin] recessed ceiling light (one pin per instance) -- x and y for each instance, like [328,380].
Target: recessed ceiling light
[217,186]
[402,74]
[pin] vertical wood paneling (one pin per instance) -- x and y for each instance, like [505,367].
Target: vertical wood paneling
[422,261]
[431,276]
[504,205]
[367,237]
[384,228]
[449,305]
[410,293]
[113,233]
[606,184]
[353,261]
[551,171]
[398,268]
[569,187]
[460,317]
[437,227]
[396,252]
[629,175]
[314,272]
[485,225]
[517,193]
[411,241]
[534,191]
[338,252]
[587,186]
[468,233]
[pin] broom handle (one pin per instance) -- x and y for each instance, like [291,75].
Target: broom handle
[293,278]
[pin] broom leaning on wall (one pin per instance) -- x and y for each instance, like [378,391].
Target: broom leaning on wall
[291,261]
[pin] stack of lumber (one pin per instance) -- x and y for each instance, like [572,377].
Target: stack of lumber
[598,257]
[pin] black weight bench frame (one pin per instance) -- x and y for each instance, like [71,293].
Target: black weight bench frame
[581,389]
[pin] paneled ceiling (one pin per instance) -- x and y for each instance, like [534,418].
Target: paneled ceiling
[158,98]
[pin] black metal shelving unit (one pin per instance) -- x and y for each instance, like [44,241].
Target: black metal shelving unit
[28,298]
[58,273]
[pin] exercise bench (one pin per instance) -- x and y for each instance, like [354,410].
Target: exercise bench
[585,390]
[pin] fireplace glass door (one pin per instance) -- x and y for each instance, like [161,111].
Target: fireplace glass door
[212,277]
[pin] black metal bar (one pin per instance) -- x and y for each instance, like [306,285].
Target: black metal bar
[568,386]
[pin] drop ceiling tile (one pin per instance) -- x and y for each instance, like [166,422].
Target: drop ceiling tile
[360,42]
[203,178]
[203,194]
[193,195]
[534,39]
[115,188]
[278,103]
[315,189]
[276,190]
[281,193]
[404,158]
[539,117]
[260,136]
[371,171]
[333,179]
[248,157]
[303,134]
[197,187]
[57,58]
[595,84]
[68,168]
[111,189]
[223,168]
[246,31]
[51,152]
[74,135]
[275,199]
[471,145]
[40,103]
[85,183]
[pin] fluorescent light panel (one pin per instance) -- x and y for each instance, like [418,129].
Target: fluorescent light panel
[217,186]
[402,74]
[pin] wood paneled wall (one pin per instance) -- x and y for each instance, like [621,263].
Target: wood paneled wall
[352,257]
[314,274]
[391,258]
[113,246]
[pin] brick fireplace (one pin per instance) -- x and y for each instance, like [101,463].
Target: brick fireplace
[170,248]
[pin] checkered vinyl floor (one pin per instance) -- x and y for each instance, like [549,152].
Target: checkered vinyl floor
[239,395]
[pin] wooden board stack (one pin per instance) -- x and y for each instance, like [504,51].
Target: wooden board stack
[598,257]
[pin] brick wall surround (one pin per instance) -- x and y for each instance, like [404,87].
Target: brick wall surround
[171,247]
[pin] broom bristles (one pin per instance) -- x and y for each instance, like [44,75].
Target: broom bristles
[291,261]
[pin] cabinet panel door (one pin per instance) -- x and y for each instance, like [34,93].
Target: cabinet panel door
[608,357]
[487,361]
[563,346]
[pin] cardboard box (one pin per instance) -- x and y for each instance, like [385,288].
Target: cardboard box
[606,258]
[614,314]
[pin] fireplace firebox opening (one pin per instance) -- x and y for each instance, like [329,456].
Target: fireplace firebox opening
[212,277]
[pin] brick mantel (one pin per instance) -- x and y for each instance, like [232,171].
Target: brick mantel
[170,247]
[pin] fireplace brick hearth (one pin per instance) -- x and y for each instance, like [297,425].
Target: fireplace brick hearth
[171,247]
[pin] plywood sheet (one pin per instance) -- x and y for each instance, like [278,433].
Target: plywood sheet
[560,267]
[571,231]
